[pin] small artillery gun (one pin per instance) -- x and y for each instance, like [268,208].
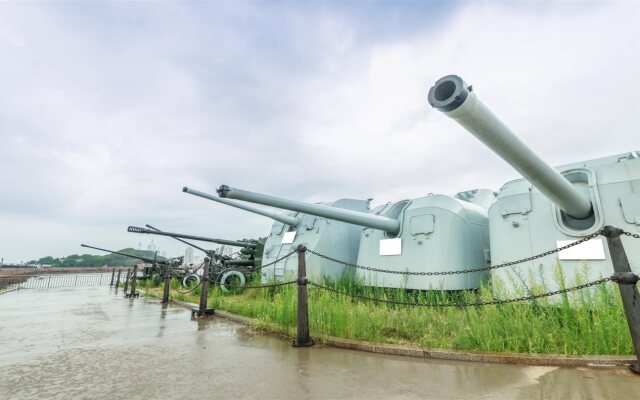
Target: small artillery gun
[223,270]
[157,268]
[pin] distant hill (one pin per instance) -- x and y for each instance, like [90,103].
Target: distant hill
[89,260]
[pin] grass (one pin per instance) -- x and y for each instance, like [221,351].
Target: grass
[590,321]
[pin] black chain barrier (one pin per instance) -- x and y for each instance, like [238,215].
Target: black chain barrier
[190,290]
[469,270]
[478,303]
[195,270]
[279,259]
[417,304]
[238,287]
[257,286]
[633,235]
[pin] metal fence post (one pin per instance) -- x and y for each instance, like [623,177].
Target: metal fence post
[118,279]
[302,337]
[204,290]
[167,281]
[126,281]
[626,281]
[134,276]
[113,274]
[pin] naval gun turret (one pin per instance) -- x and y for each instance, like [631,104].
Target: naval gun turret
[550,207]
[427,234]
[317,233]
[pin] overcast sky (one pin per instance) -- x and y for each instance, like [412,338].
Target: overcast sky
[108,109]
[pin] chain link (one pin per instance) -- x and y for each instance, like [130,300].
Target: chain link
[478,303]
[462,271]
[279,259]
[633,235]
[190,290]
[257,286]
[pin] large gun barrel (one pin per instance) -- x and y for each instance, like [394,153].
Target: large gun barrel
[339,214]
[146,259]
[285,219]
[236,243]
[455,98]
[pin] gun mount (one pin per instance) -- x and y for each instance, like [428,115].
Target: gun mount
[455,98]
[172,265]
[550,207]
[422,234]
[222,268]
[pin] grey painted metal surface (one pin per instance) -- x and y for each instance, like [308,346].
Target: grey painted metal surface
[524,221]
[438,233]
[343,215]
[431,233]
[453,96]
[285,219]
[340,239]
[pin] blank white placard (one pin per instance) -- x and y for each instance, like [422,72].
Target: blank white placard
[591,250]
[288,237]
[391,247]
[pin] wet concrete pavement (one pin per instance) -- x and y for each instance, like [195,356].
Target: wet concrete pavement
[93,343]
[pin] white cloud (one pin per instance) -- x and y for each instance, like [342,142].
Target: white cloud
[105,116]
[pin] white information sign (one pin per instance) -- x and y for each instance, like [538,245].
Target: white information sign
[591,250]
[391,247]
[288,237]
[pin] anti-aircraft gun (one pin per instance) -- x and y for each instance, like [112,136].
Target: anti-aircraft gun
[427,234]
[320,234]
[157,267]
[223,269]
[550,207]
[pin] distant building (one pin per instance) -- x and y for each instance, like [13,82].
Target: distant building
[152,246]
[197,259]
[188,255]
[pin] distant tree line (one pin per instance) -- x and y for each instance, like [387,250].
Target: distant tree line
[89,260]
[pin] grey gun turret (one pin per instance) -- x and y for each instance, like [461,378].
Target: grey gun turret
[316,233]
[285,219]
[427,234]
[455,98]
[552,206]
